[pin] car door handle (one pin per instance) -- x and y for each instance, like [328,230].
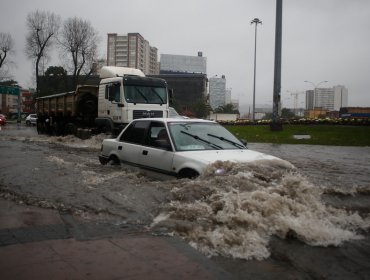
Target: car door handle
[120,148]
[145,152]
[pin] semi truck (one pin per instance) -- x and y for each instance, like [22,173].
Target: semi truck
[122,95]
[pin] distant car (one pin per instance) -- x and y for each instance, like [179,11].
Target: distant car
[179,147]
[31,119]
[2,119]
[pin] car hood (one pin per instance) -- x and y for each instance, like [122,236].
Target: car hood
[239,156]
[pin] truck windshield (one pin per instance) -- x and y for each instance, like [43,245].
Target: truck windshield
[145,94]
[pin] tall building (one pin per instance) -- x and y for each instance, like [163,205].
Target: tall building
[228,96]
[324,98]
[217,91]
[340,97]
[327,98]
[310,99]
[8,103]
[132,50]
[183,64]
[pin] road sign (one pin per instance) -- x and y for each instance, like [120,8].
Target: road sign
[9,90]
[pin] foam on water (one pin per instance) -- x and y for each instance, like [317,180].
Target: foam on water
[236,215]
[72,141]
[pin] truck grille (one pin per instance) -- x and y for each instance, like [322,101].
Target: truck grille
[138,114]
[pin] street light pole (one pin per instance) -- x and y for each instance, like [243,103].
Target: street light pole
[315,86]
[276,124]
[255,21]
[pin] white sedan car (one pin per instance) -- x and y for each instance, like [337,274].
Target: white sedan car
[31,119]
[179,147]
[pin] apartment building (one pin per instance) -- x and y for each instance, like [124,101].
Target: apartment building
[327,98]
[132,50]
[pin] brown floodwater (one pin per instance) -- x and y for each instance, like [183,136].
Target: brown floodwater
[265,212]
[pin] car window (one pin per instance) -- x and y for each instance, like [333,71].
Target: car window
[135,133]
[158,137]
[202,136]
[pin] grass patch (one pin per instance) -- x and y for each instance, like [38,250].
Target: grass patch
[335,135]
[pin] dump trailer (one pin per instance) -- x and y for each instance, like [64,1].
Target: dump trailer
[64,113]
[123,94]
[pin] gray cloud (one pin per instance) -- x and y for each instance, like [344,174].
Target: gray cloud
[322,39]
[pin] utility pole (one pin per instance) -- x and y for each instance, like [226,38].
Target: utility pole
[276,125]
[255,21]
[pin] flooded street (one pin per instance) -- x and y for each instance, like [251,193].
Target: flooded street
[343,168]
[262,221]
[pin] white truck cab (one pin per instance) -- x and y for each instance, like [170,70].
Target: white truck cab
[126,94]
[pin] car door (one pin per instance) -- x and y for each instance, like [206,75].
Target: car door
[131,142]
[157,153]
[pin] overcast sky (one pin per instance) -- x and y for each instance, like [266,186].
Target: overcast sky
[322,39]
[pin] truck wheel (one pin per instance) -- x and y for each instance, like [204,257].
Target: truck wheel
[69,129]
[106,129]
[28,123]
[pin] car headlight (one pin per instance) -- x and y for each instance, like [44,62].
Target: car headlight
[220,172]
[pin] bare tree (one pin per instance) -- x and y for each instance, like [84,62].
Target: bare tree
[42,30]
[6,48]
[78,40]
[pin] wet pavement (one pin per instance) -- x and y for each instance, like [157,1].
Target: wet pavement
[42,244]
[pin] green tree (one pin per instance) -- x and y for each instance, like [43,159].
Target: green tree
[287,113]
[54,81]
[227,109]
[201,109]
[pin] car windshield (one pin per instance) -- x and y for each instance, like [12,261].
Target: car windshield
[145,94]
[191,136]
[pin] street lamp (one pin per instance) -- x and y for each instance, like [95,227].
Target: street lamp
[315,86]
[256,21]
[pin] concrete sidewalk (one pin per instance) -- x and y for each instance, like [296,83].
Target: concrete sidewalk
[38,243]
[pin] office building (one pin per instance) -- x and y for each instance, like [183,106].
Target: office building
[228,96]
[189,89]
[327,98]
[132,50]
[183,64]
[340,97]
[217,91]
[310,99]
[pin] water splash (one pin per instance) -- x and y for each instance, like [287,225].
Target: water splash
[236,215]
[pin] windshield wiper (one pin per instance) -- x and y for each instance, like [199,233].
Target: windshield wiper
[227,140]
[202,140]
[157,94]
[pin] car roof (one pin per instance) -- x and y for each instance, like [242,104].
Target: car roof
[167,120]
